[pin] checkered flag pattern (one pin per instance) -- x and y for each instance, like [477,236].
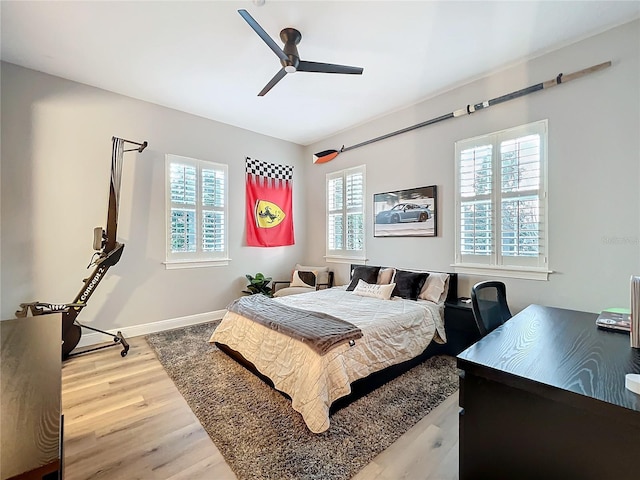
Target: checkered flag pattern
[268,170]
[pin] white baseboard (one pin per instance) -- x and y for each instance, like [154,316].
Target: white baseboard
[146,328]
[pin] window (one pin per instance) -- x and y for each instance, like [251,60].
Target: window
[196,212]
[501,208]
[345,214]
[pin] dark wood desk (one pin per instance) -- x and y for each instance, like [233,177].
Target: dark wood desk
[30,368]
[543,396]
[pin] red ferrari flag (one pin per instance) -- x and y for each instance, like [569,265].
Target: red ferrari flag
[269,205]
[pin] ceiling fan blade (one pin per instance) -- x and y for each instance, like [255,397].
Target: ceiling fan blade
[276,78]
[263,35]
[304,66]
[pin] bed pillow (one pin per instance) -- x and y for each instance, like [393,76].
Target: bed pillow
[385,276]
[303,278]
[362,272]
[409,284]
[435,288]
[382,292]
[445,291]
[322,273]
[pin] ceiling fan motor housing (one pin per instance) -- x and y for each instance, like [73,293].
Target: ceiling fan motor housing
[291,37]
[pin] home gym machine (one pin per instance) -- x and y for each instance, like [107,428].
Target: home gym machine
[107,253]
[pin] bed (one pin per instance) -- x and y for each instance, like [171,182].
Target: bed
[395,335]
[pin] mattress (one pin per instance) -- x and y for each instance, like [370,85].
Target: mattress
[393,331]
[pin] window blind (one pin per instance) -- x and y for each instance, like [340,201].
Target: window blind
[345,212]
[213,220]
[197,209]
[520,186]
[183,187]
[501,208]
[476,183]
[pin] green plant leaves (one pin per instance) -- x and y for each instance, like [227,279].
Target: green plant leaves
[258,285]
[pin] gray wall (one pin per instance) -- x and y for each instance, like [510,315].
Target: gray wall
[56,160]
[56,140]
[594,171]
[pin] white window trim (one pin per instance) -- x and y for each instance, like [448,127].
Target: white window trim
[502,271]
[346,256]
[180,264]
[344,259]
[496,269]
[197,259]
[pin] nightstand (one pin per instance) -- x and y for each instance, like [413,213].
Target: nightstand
[460,326]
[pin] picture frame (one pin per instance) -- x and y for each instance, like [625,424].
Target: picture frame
[406,213]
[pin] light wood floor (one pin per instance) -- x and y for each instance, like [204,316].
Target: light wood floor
[125,419]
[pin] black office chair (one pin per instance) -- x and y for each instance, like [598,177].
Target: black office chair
[489,302]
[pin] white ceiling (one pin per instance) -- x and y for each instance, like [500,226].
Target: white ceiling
[204,59]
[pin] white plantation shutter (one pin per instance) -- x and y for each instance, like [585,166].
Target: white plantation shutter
[501,221]
[183,213]
[196,228]
[345,213]
[476,210]
[335,209]
[213,204]
[521,213]
[355,210]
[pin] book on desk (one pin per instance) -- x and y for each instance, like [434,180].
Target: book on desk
[613,320]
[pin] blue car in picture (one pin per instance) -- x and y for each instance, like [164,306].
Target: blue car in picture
[404,212]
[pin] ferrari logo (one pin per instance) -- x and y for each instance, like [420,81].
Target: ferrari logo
[268,214]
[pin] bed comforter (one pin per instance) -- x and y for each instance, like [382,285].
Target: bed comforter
[393,331]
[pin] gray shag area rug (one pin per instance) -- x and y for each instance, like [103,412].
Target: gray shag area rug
[262,437]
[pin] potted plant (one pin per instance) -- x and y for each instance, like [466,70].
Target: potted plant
[258,284]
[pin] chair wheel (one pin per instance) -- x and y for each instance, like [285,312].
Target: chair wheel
[116,339]
[123,353]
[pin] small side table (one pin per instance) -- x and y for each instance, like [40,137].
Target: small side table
[460,325]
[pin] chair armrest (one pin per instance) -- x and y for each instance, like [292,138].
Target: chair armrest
[273,284]
[329,284]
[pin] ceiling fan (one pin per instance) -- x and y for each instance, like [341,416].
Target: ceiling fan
[289,57]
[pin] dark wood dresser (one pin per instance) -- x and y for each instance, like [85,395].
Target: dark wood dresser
[543,396]
[30,439]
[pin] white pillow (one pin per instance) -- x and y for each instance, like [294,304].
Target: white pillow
[445,291]
[435,288]
[373,290]
[385,275]
[302,278]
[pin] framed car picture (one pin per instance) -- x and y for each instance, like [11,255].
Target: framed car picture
[406,213]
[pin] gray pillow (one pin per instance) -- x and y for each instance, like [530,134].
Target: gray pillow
[364,273]
[409,284]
